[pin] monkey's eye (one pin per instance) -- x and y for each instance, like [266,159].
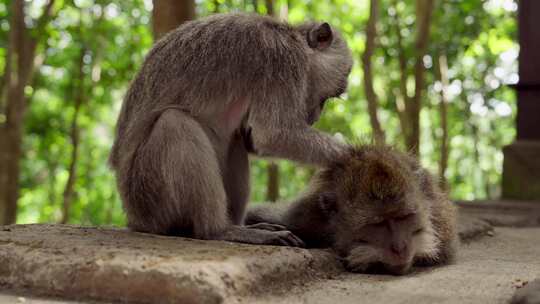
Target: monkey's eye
[380,223]
[418,231]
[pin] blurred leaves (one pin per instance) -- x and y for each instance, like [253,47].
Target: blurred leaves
[478,38]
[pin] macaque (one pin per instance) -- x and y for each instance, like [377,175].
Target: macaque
[209,93]
[377,208]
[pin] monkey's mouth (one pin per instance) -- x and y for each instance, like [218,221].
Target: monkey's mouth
[336,94]
[398,269]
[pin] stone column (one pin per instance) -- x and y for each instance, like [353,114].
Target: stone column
[521,170]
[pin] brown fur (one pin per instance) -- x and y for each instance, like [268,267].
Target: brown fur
[350,201]
[208,93]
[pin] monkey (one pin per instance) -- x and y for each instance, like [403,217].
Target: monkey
[377,208]
[209,94]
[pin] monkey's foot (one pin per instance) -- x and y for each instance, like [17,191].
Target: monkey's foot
[247,235]
[267,226]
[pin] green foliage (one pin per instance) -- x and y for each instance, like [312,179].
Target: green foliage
[114,39]
[478,38]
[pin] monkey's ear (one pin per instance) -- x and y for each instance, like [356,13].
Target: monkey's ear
[328,203]
[320,37]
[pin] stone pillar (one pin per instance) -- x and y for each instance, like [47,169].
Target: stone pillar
[521,169]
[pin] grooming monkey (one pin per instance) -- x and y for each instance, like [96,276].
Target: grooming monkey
[208,93]
[377,208]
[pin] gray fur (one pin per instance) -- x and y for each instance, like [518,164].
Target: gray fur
[208,93]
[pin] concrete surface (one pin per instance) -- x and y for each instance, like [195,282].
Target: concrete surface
[81,263]
[10,298]
[117,265]
[488,270]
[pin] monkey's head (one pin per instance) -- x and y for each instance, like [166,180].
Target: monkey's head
[330,64]
[377,209]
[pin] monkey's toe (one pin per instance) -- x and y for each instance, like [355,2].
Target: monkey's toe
[293,240]
[286,238]
[267,226]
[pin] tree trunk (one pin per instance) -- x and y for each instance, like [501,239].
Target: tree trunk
[270,8]
[371,96]
[169,14]
[402,95]
[443,115]
[272,186]
[255,4]
[272,170]
[75,138]
[424,10]
[18,74]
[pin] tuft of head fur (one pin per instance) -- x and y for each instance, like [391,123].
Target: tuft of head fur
[375,184]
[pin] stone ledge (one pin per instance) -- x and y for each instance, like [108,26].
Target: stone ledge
[118,265]
[112,264]
[504,213]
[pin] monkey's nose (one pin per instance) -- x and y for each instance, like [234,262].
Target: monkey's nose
[399,249]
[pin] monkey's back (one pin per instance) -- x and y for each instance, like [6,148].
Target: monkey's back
[223,57]
[206,64]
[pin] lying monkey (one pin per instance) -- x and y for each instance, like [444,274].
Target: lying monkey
[375,207]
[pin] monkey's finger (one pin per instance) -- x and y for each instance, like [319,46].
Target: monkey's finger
[267,226]
[292,240]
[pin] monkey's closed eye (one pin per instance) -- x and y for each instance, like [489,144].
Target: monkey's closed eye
[361,242]
[418,231]
[404,217]
[380,223]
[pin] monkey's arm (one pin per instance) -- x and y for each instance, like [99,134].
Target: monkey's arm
[280,129]
[301,144]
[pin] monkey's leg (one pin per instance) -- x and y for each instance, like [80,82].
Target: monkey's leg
[236,182]
[179,165]
[175,181]
[236,179]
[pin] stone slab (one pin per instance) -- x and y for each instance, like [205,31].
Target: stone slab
[117,265]
[112,264]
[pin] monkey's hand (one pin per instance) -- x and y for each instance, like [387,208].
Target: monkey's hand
[257,236]
[361,258]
